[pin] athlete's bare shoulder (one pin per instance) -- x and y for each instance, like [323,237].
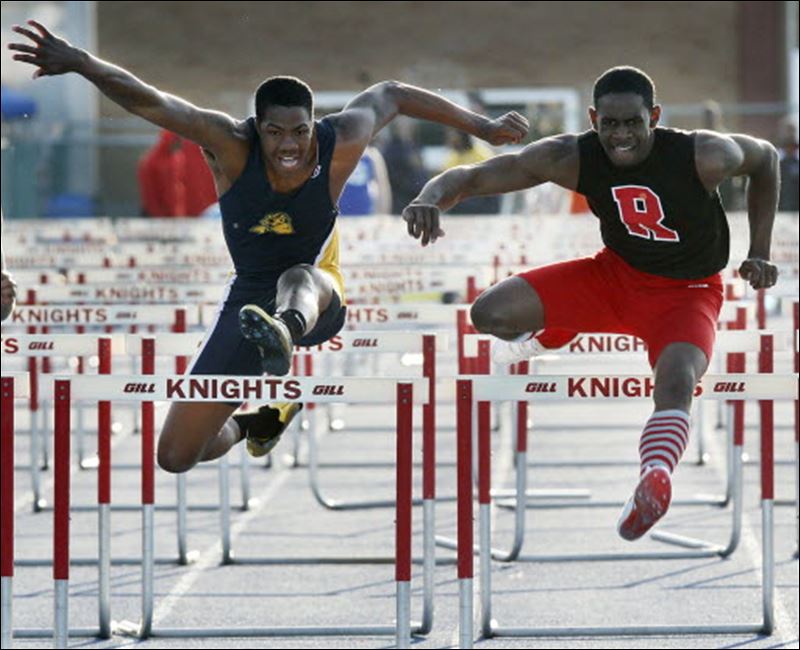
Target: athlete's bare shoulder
[228,162]
[721,155]
[555,159]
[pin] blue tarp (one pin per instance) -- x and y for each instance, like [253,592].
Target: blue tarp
[16,105]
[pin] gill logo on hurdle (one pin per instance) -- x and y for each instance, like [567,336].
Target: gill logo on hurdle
[627,387]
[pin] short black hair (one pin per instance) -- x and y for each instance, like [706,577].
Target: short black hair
[283,91]
[625,79]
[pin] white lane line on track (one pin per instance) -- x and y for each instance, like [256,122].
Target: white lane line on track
[211,555]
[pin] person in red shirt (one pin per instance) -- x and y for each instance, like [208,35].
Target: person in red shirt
[174,179]
[158,178]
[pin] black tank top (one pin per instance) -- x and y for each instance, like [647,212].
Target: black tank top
[656,215]
[267,232]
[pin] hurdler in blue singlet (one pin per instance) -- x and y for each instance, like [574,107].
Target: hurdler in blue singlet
[268,232]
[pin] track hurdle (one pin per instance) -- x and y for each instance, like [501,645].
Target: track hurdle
[796,316]
[14,386]
[33,346]
[380,341]
[105,347]
[618,346]
[93,318]
[734,342]
[383,342]
[764,387]
[148,388]
[386,342]
[127,293]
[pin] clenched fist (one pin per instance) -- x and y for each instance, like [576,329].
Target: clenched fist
[761,274]
[423,221]
[510,128]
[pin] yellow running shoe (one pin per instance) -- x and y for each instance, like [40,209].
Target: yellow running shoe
[264,428]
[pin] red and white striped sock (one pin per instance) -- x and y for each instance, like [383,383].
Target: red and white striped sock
[664,439]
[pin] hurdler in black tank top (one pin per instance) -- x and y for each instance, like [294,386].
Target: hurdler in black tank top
[656,215]
[268,232]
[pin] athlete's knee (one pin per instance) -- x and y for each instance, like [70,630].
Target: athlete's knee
[299,273]
[173,460]
[678,369]
[674,388]
[486,317]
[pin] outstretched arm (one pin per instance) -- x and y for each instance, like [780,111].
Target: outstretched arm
[553,160]
[720,156]
[371,110]
[52,55]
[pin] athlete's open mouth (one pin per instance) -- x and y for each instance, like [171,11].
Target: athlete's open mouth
[623,153]
[288,162]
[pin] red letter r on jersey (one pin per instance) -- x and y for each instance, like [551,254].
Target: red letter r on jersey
[641,212]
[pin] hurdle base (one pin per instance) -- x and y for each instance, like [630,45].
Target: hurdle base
[130,629]
[47,633]
[331,560]
[681,540]
[698,500]
[663,630]
[191,557]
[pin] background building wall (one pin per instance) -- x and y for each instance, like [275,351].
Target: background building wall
[216,53]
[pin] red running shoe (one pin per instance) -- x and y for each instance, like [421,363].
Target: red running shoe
[648,504]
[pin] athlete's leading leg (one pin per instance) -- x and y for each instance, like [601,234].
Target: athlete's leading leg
[508,310]
[303,293]
[513,311]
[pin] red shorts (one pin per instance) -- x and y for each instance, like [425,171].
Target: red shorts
[605,294]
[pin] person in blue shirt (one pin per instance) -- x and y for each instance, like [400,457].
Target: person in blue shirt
[367,191]
[278,175]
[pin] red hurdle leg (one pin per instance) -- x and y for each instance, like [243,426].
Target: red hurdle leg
[429,481]
[767,408]
[148,494]
[7,505]
[465,532]
[61,513]
[104,494]
[404,502]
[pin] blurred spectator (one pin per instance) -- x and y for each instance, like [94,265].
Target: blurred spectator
[465,150]
[404,165]
[367,191]
[9,287]
[787,147]
[174,179]
[158,183]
